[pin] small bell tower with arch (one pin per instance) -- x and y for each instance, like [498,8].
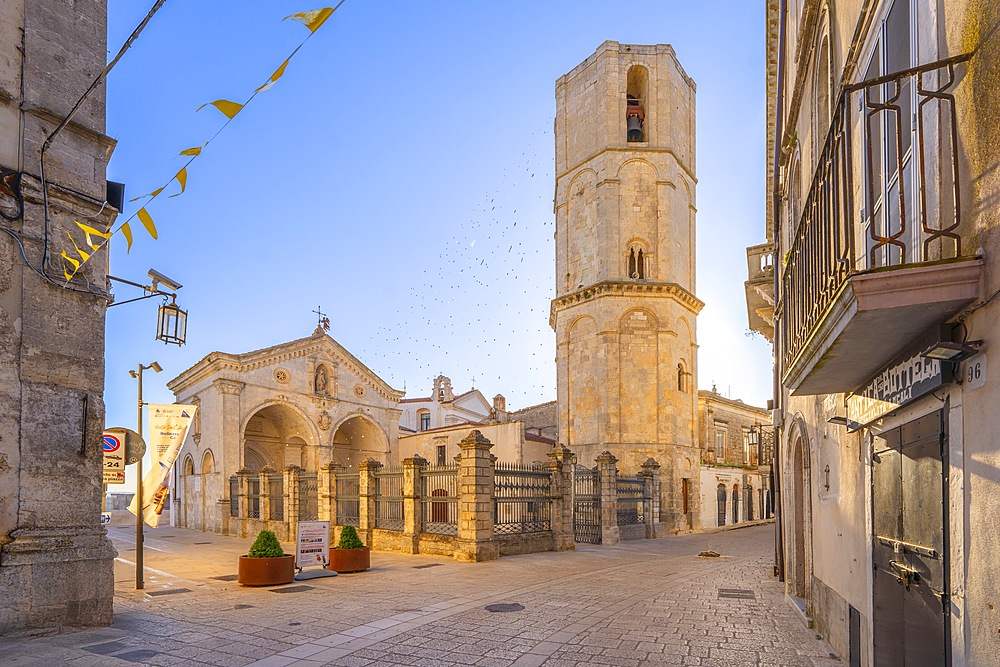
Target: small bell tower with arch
[625,307]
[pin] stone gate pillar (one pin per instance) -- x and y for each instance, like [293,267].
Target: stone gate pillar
[326,492]
[650,474]
[476,469]
[561,470]
[609,498]
[413,468]
[366,498]
[291,482]
[264,499]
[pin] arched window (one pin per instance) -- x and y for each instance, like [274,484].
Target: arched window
[635,104]
[188,465]
[681,378]
[636,263]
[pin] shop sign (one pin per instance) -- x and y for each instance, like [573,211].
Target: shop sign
[894,387]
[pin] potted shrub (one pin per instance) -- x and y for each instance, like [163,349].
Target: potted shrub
[350,554]
[266,564]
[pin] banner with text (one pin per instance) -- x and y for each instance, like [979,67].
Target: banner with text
[168,426]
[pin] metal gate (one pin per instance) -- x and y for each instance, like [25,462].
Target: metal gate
[909,551]
[308,497]
[586,505]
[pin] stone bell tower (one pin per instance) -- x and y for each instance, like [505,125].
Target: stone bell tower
[624,312]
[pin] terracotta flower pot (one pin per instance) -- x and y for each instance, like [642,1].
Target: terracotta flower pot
[266,571]
[350,560]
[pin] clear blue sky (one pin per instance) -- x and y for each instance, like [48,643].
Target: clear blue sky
[400,175]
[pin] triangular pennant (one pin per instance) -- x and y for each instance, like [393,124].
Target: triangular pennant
[182,177]
[75,263]
[274,77]
[127,233]
[194,151]
[90,231]
[228,109]
[147,222]
[312,19]
[84,256]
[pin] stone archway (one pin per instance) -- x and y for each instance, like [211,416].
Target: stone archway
[799,549]
[278,435]
[358,438]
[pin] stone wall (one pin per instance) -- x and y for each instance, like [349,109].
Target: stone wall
[56,563]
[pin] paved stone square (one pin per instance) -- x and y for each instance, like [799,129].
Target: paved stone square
[649,602]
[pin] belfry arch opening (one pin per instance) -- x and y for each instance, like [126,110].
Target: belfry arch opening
[278,436]
[635,103]
[356,439]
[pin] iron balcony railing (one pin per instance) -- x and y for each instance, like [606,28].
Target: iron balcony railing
[909,185]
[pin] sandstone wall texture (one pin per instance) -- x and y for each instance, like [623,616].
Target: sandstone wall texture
[56,563]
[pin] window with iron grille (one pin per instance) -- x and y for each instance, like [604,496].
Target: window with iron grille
[630,495]
[234,496]
[276,494]
[253,497]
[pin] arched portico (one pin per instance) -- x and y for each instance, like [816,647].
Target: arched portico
[278,435]
[358,437]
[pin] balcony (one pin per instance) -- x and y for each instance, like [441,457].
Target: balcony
[760,289]
[863,279]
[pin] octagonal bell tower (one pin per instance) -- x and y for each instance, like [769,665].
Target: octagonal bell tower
[625,309]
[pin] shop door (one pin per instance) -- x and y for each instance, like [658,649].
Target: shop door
[910,547]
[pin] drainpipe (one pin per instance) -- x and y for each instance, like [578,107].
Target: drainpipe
[779,552]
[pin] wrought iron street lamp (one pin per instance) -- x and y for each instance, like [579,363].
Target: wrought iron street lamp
[171,321]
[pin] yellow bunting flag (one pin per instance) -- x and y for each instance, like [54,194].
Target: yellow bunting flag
[194,152]
[83,255]
[75,263]
[313,19]
[182,177]
[274,77]
[90,231]
[147,222]
[228,109]
[127,233]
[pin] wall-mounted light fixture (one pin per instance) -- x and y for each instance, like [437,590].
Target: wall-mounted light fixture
[953,352]
[171,321]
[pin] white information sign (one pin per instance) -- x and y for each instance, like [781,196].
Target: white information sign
[312,543]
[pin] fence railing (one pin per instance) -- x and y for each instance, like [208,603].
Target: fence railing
[234,496]
[630,500]
[523,499]
[476,509]
[276,496]
[389,499]
[439,500]
[911,201]
[308,497]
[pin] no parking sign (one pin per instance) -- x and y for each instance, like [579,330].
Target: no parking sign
[114,458]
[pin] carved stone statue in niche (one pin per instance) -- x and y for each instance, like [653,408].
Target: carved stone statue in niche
[321,380]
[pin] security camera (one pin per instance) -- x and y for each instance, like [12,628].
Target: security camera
[160,279]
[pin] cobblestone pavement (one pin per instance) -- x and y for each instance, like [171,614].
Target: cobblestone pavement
[650,602]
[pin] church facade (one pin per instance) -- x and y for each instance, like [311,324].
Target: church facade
[303,403]
[625,309]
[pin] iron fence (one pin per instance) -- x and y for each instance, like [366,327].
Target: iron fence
[276,496]
[253,497]
[523,500]
[630,498]
[234,496]
[439,500]
[586,505]
[348,501]
[389,499]
[308,497]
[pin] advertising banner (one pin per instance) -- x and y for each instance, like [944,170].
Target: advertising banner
[168,426]
[312,544]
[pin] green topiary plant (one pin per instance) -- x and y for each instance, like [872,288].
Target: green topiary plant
[266,546]
[349,539]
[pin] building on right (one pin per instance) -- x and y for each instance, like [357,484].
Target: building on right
[878,287]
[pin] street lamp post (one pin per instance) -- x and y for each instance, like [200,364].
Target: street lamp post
[155,366]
